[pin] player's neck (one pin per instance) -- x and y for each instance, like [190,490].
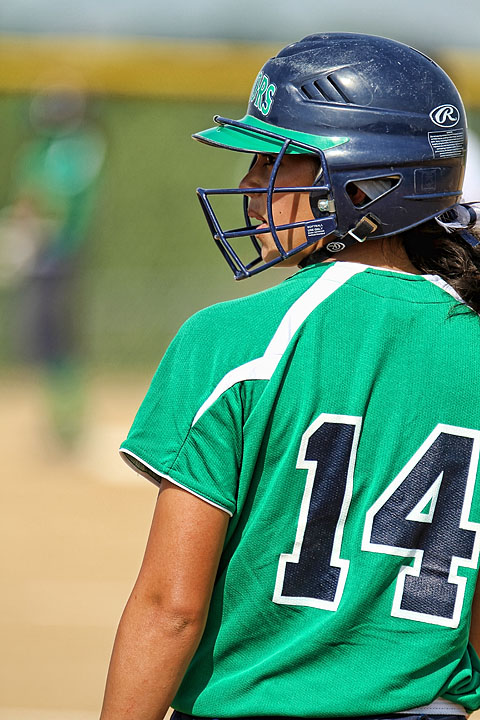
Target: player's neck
[387,253]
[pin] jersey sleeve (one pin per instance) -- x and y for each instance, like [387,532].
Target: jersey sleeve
[166,440]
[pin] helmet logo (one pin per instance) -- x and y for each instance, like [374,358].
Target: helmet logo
[445,115]
[335,247]
[262,93]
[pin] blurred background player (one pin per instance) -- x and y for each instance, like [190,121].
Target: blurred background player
[42,237]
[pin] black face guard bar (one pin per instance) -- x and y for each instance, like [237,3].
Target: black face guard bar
[324,225]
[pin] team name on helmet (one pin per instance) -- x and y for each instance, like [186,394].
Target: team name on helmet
[262,93]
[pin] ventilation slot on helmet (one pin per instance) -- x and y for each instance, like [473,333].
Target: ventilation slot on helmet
[325,88]
[338,90]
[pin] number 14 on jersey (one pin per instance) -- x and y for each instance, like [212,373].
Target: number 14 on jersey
[423,515]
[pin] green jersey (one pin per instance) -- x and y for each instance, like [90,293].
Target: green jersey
[336,419]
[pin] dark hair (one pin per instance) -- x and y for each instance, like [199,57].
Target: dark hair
[433,251]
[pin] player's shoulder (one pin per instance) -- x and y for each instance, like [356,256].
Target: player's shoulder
[253,316]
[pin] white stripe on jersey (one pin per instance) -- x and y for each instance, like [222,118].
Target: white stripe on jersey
[262,368]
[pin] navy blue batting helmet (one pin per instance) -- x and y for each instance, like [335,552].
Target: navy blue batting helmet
[378,114]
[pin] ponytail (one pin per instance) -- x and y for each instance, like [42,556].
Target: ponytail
[450,249]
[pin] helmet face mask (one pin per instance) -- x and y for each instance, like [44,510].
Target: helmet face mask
[314,229]
[355,102]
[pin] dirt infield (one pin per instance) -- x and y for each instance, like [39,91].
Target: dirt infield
[72,536]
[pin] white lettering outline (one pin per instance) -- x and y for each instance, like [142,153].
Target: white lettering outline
[417,554]
[336,560]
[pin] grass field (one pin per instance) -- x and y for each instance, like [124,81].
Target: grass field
[149,261]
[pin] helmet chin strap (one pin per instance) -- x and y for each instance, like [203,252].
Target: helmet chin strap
[361,232]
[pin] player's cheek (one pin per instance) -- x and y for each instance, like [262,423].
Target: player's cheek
[282,208]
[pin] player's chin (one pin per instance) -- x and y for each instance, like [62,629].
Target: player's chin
[270,252]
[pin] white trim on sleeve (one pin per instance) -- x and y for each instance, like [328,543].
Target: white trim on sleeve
[127,454]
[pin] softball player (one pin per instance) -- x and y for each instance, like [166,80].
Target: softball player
[315,543]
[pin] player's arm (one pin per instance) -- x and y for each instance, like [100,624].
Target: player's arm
[165,615]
